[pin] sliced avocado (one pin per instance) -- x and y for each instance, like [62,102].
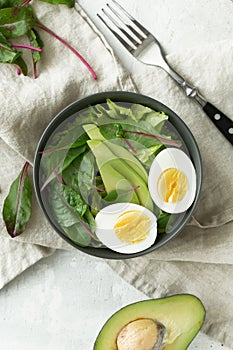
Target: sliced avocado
[182,316]
[113,180]
[133,162]
[93,132]
[104,156]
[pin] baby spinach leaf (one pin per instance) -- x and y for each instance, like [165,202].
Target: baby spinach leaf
[63,213]
[86,173]
[71,137]
[58,161]
[70,174]
[90,219]
[94,201]
[78,234]
[17,205]
[67,208]
[69,3]
[16,21]
[74,200]
[86,179]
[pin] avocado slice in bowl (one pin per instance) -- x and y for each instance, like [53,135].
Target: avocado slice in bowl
[169,323]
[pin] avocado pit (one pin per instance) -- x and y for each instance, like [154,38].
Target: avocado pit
[141,334]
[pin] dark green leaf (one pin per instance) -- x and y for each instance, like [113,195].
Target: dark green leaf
[58,161]
[10,3]
[78,234]
[86,172]
[35,41]
[165,221]
[94,201]
[74,200]
[90,219]
[5,3]
[16,21]
[69,3]
[17,205]
[63,213]
[70,175]
[22,65]
[68,217]
[7,53]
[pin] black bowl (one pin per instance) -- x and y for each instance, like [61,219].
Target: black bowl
[124,97]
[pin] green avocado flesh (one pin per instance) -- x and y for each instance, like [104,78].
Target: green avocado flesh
[182,315]
[105,157]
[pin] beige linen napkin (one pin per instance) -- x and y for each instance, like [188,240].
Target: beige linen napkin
[28,105]
[200,259]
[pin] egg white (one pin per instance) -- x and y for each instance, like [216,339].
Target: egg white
[172,158]
[106,219]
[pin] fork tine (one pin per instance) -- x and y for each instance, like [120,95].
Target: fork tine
[134,36]
[134,24]
[122,28]
[117,32]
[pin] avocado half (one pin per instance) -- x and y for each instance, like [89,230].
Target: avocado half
[180,315]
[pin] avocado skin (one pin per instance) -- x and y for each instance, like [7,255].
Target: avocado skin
[184,312]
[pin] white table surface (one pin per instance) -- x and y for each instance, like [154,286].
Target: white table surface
[62,301]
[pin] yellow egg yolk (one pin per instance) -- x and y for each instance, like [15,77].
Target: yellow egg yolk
[172,185]
[132,226]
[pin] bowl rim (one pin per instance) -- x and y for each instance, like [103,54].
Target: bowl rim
[128,97]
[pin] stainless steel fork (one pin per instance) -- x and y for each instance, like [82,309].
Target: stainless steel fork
[147,49]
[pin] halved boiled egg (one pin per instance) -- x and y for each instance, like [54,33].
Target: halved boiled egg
[172,181]
[126,227]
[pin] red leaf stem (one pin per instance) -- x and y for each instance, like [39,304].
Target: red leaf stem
[24,3]
[130,146]
[159,138]
[49,31]
[27,47]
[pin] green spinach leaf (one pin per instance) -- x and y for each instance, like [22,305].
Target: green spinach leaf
[22,65]
[69,212]
[62,211]
[74,200]
[7,53]
[16,21]
[69,3]
[17,205]
[58,161]
[35,41]
[78,234]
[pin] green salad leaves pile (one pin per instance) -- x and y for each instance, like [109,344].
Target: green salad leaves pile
[99,158]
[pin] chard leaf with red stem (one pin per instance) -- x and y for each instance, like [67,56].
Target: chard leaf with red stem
[7,53]
[69,3]
[17,205]
[16,21]
[35,41]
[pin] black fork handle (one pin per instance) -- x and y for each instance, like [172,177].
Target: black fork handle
[220,120]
